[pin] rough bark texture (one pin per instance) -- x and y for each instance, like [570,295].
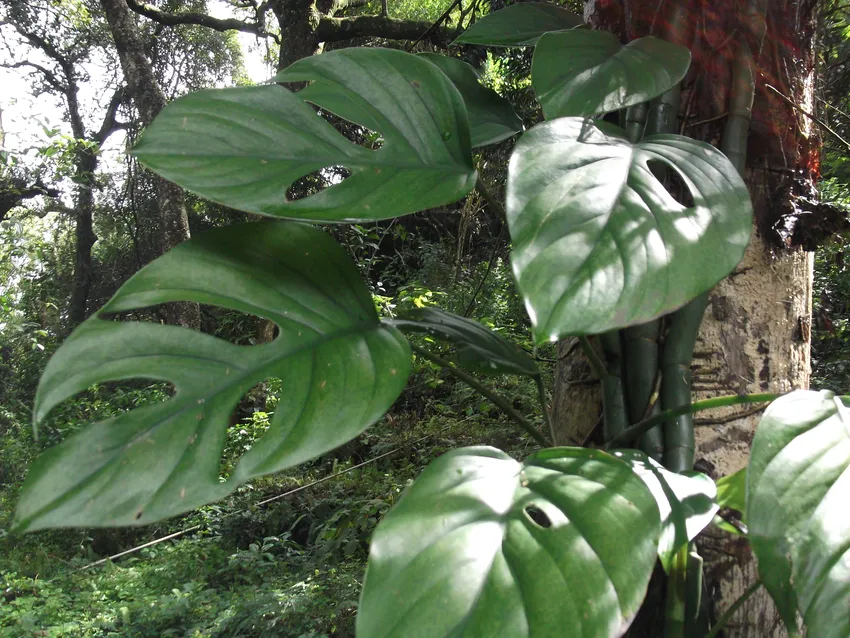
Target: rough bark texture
[577,397]
[149,101]
[754,338]
[755,335]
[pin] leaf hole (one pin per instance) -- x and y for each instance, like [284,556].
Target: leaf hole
[248,422]
[353,132]
[237,327]
[672,182]
[316,181]
[100,402]
[538,516]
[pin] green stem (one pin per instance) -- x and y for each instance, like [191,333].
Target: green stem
[635,122]
[679,437]
[614,409]
[471,381]
[663,114]
[641,353]
[610,373]
[721,623]
[631,433]
[640,345]
[491,200]
[677,595]
[696,618]
[743,90]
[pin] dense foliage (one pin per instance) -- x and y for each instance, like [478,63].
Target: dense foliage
[306,338]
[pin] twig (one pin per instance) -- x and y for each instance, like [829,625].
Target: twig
[485,391]
[729,417]
[480,285]
[811,116]
[629,434]
[300,488]
[490,199]
[721,623]
[436,24]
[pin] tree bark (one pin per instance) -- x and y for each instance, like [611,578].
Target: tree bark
[149,101]
[84,235]
[755,334]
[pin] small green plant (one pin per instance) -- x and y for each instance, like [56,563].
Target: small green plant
[481,544]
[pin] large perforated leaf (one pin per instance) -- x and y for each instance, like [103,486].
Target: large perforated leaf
[798,509]
[491,117]
[584,72]
[481,545]
[520,24]
[599,243]
[340,369]
[244,147]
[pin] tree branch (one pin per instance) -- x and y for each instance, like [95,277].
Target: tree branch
[337,29]
[199,19]
[49,76]
[110,123]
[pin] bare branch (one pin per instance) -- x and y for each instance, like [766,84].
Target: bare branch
[199,19]
[49,76]
[110,124]
[337,29]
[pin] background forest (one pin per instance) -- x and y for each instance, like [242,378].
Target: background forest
[285,554]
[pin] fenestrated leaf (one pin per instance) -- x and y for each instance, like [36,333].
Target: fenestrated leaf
[584,72]
[798,492]
[519,25]
[340,368]
[481,545]
[599,243]
[686,501]
[244,147]
[479,348]
[491,117]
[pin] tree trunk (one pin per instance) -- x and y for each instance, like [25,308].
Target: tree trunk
[298,20]
[84,234]
[149,101]
[755,334]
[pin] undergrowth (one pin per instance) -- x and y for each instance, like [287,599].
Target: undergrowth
[291,567]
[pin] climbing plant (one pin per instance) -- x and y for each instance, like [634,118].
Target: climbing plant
[564,542]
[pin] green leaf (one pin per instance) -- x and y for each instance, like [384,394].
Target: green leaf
[491,117]
[798,491]
[340,367]
[732,491]
[244,147]
[686,501]
[731,494]
[584,72]
[481,545]
[479,348]
[519,25]
[599,243]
